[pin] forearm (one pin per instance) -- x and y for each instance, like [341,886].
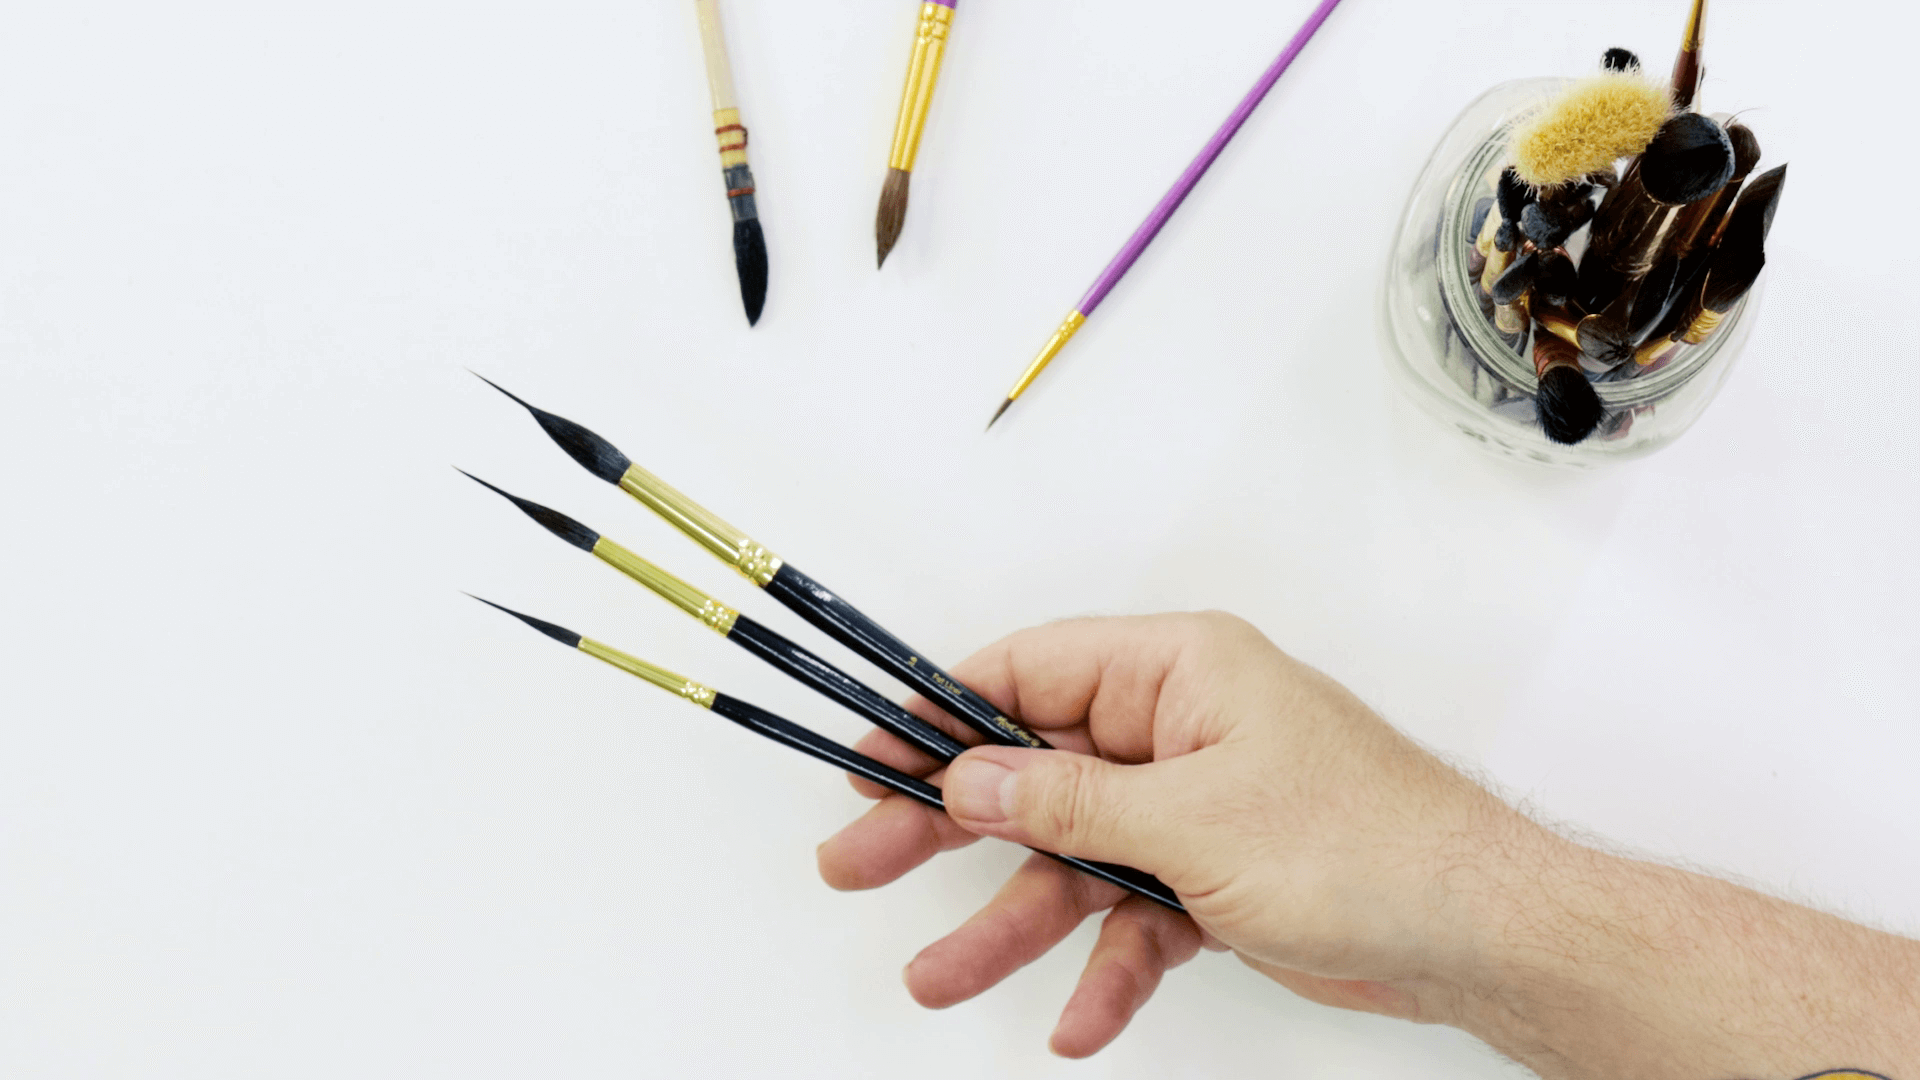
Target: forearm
[1602,967]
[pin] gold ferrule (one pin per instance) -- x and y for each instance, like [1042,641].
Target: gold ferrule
[1511,318]
[716,615]
[1497,263]
[1703,326]
[731,136]
[1054,344]
[732,546]
[1651,350]
[923,71]
[658,676]
[1690,41]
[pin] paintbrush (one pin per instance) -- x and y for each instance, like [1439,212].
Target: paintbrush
[1150,228]
[789,734]
[923,72]
[1569,406]
[800,593]
[749,243]
[743,631]
[1687,70]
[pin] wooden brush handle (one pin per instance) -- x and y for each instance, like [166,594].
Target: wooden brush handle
[714,39]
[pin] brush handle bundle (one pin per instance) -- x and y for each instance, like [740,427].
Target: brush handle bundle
[1659,254]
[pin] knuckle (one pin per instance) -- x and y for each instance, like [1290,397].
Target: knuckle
[1071,806]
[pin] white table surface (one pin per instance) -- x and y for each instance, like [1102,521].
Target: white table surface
[277,801]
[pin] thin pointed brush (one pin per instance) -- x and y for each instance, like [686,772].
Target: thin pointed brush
[1163,211]
[798,592]
[771,647]
[792,735]
[923,72]
[749,243]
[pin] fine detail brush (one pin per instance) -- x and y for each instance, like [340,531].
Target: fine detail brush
[792,735]
[743,631]
[1150,228]
[923,72]
[798,592]
[749,242]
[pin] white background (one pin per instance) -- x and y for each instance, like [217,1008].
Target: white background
[277,801]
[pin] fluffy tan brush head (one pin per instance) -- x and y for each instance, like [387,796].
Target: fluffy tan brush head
[892,215]
[1594,122]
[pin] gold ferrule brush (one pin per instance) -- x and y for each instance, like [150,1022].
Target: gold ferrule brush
[923,72]
[717,616]
[1703,326]
[678,685]
[729,544]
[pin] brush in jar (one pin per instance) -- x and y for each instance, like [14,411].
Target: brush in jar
[1164,210]
[792,735]
[923,74]
[799,593]
[749,241]
[1570,408]
[1732,269]
[1687,69]
[1687,246]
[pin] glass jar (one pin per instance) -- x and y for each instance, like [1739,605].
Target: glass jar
[1450,358]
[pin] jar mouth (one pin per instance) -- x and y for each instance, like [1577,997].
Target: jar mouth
[1459,291]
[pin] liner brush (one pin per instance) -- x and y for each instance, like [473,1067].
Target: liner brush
[801,594]
[923,72]
[749,243]
[789,734]
[743,631]
[1163,211]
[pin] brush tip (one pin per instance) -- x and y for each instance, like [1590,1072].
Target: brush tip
[553,521]
[558,633]
[999,412]
[750,262]
[891,217]
[595,454]
[1570,408]
[1691,158]
[1619,59]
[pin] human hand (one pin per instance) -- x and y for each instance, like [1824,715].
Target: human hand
[1302,831]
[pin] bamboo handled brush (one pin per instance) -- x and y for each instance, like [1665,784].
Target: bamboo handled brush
[923,72]
[749,243]
[792,735]
[1163,211]
[801,594]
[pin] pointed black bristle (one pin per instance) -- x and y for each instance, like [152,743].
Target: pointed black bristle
[595,454]
[750,259]
[558,633]
[555,522]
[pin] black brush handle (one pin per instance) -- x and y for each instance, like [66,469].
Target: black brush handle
[873,706]
[787,733]
[845,624]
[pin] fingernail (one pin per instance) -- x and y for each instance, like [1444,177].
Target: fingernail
[979,791]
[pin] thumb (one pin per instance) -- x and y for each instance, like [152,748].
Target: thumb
[1071,804]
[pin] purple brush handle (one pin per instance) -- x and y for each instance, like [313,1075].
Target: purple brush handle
[1150,228]
[945,3]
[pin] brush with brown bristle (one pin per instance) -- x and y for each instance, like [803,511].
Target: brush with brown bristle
[923,72]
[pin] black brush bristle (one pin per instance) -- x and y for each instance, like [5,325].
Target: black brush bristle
[1619,59]
[1556,279]
[1570,408]
[1513,194]
[595,454]
[1516,279]
[750,259]
[1690,159]
[558,633]
[1742,253]
[554,521]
